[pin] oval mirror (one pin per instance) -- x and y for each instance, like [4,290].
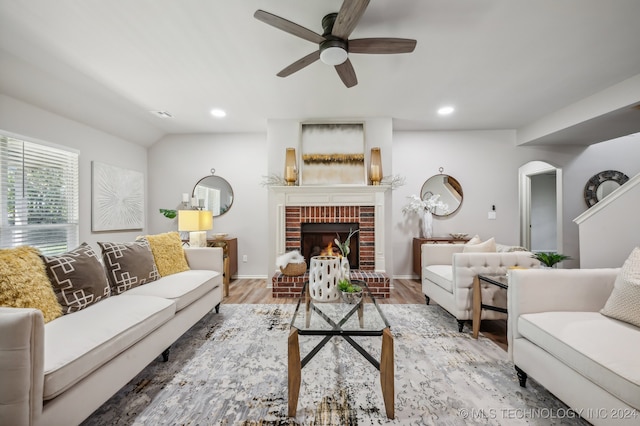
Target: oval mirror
[449,190]
[214,193]
[603,184]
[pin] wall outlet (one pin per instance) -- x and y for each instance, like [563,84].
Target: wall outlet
[245,258]
[492,216]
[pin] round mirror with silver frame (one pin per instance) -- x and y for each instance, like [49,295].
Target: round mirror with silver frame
[213,193]
[603,184]
[447,187]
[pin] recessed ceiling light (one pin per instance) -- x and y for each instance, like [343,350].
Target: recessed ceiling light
[218,113]
[446,110]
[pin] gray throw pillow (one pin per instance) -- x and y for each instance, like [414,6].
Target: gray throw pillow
[77,278]
[624,302]
[128,265]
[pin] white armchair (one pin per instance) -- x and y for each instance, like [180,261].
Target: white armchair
[448,273]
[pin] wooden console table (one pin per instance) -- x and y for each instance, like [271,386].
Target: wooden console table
[417,250]
[230,254]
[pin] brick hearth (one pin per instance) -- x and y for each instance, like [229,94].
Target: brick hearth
[295,216]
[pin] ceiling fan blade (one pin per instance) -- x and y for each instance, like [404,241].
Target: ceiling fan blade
[347,73]
[382,45]
[300,63]
[348,17]
[288,26]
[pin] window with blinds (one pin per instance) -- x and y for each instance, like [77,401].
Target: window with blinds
[38,196]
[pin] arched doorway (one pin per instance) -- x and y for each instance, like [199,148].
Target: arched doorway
[540,188]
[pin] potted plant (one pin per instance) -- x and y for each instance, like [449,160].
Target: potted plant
[549,259]
[351,293]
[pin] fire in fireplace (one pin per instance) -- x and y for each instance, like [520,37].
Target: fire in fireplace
[316,237]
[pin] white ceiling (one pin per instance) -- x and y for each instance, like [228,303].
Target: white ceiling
[503,64]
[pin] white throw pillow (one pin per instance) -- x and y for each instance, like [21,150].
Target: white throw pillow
[488,246]
[474,240]
[624,301]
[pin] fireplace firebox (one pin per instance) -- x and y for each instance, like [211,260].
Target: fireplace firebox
[317,238]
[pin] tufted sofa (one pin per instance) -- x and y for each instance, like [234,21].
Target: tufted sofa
[448,273]
[558,336]
[58,373]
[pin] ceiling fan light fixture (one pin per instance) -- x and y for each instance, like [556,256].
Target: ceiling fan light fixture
[333,52]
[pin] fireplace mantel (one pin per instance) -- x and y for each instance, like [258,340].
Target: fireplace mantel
[333,195]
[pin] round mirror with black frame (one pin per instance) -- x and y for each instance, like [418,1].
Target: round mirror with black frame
[449,190]
[602,184]
[213,193]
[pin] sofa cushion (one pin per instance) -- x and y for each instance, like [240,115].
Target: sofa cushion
[441,275]
[488,246]
[77,278]
[183,288]
[600,348]
[77,344]
[128,265]
[168,253]
[624,302]
[24,282]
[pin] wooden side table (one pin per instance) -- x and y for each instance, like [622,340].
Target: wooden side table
[417,250]
[230,258]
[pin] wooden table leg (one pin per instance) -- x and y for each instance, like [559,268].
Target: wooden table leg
[387,373]
[226,278]
[294,371]
[477,308]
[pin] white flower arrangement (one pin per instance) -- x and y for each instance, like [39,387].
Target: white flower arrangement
[418,205]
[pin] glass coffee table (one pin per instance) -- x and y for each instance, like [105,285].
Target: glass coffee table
[338,319]
[498,280]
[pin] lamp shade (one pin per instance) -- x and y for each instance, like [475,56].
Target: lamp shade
[194,220]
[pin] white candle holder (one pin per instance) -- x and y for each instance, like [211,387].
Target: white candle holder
[324,274]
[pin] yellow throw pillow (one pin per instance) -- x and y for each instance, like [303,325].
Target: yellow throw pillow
[168,253]
[24,282]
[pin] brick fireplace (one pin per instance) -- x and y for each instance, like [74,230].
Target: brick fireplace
[361,206]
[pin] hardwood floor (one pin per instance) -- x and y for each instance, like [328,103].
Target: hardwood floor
[255,291]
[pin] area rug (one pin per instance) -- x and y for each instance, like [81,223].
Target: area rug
[231,369]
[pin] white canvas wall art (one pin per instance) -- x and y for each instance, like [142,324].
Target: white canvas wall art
[117,198]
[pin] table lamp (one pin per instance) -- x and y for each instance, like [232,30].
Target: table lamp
[196,223]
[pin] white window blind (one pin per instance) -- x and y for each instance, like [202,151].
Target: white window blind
[38,196]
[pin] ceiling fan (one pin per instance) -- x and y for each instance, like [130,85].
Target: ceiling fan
[334,44]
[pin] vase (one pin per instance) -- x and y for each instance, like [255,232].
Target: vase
[324,275]
[345,269]
[427,224]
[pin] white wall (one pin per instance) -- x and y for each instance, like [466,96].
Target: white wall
[34,123]
[485,163]
[177,162]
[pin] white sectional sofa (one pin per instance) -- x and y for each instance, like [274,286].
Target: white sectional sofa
[58,373]
[558,336]
[448,273]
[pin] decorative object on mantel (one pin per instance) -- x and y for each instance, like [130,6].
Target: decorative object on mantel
[375,166]
[550,259]
[290,167]
[425,208]
[292,263]
[197,223]
[324,275]
[602,184]
[394,181]
[273,179]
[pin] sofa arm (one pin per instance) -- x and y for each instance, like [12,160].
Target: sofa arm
[439,254]
[207,258]
[549,290]
[21,365]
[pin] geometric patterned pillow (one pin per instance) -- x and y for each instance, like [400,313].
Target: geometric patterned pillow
[624,302]
[77,278]
[128,265]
